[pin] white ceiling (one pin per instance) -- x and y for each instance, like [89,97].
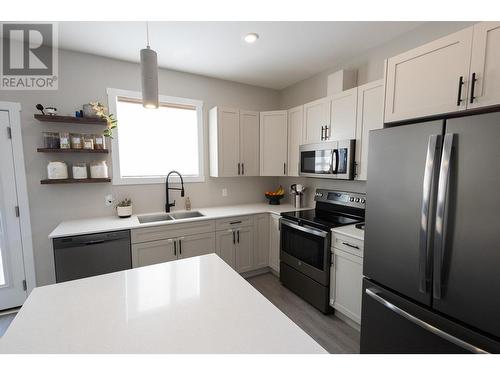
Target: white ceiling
[286,52]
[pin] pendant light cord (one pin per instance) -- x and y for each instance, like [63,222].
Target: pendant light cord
[147,34]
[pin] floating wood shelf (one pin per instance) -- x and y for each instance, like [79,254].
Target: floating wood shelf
[76,150]
[75,181]
[71,119]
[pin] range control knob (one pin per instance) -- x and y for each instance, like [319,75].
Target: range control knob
[363,200]
[357,200]
[351,199]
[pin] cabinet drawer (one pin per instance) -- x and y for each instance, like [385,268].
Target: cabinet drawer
[348,244]
[171,231]
[234,222]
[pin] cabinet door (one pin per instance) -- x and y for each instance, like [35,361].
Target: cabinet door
[228,124]
[195,245]
[485,64]
[273,143]
[370,116]
[225,246]
[295,138]
[425,80]
[274,243]
[348,279]
[249,143]
[244,249]
[261,241]
[147,253]
[343,110]
[316,116]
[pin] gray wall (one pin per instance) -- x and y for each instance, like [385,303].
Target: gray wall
[84,78]
[370,67]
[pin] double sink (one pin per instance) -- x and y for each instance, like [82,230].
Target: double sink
[167,217]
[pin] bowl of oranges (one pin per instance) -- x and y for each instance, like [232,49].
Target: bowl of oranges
[275,196]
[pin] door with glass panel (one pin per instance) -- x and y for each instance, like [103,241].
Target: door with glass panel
[12,275]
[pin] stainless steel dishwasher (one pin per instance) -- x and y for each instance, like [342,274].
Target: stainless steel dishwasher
[91,254]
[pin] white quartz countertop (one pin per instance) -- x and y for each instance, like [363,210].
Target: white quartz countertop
[195,305]
[114,223]
[351,231]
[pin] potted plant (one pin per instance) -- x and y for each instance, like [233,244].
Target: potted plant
[101,112]
[124,208]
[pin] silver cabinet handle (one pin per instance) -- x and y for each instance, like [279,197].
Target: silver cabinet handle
[375,294]
[284,168]
[429,172]
[442,197]
[326,133]
[322,132]
[239,171]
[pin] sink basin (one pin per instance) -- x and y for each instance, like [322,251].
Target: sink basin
[186,215]
[153,218]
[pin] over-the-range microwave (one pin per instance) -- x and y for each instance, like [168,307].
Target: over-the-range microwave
[332,159]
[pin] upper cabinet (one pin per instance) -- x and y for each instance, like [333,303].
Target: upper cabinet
[485,65]
[234,142]
[370,116]
[316,120]
[273,143]
[343,110]
[295,138]
[454,73]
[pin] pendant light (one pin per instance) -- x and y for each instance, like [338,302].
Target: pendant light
[149,75]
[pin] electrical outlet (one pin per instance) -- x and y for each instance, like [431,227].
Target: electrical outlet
[108,200]
[224,192]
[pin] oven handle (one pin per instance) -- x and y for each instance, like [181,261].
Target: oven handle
[306,229]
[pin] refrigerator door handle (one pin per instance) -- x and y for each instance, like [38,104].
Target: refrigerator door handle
[375,294]
[429,172]
[442,198]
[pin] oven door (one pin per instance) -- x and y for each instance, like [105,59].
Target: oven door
[319,159]
[306,249]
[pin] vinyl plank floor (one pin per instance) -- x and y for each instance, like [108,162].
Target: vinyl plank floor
[330,332]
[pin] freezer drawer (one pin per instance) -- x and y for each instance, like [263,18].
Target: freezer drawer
[391,324]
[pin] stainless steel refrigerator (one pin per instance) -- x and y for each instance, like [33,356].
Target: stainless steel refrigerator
[432,238]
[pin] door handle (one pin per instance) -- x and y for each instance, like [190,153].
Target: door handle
[375,294]
[284,168]
[349,245]
[429,172]
[442,198]
[460,85]
[175,248]
[472,87]
[326,133]
[243,168]
[234,237]
[239,169]
[322,132]
[238,236]
[180,246]
[335,162]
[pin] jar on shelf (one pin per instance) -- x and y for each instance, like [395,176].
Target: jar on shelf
[76,141]
[79,171]
[57,170]
[64,140]
[51,140]
[88,142]
[99,142]
[99,169]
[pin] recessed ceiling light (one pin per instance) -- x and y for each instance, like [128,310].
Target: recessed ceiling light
[251,37]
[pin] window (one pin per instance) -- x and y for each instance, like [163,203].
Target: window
[149,143]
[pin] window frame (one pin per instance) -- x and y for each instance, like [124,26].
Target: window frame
[113,95]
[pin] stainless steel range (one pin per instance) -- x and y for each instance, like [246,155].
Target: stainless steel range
[306,240]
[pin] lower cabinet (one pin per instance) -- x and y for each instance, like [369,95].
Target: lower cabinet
[274,242]
[235,247]
[147,253]
[261,241]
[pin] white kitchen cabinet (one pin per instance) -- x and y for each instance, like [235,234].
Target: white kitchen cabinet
[370,116]
[316,118]
[274,242]
[425,81]
[485,65]
[244,249]
[196,245]
[343,109]
[295,138]
[249,143]
[346,276]
[261,241]
[273,143]
[147,253]
[225,243]
[234,142]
